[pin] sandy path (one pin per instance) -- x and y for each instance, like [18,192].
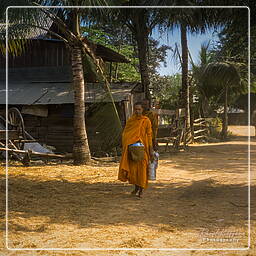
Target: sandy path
[199,200]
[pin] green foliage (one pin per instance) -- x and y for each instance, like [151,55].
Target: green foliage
[215,127]
[103,122]
[166,89]
[121,40]
[157,55]
[242,102]
[125,71]
[233,46]
[90,70]
[218,75]
[15,47]
[96,35]
[210,77]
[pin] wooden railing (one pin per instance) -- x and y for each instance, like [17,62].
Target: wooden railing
[173,133]
[201,129]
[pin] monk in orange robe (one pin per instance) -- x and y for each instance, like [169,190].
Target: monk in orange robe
[153,117]
[137,129]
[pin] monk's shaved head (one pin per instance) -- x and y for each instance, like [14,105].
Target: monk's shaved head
[139,103]
[138,108]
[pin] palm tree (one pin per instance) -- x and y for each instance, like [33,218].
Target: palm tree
[222,76]
[185,91]
[205,57]
[141,22]
[68,21]
[195,20]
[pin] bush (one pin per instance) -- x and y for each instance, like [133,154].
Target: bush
[215,126]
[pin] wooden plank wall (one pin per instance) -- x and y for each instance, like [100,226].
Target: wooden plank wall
[57,129]
[40,53]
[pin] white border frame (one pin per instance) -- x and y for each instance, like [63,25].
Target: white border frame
[131,249]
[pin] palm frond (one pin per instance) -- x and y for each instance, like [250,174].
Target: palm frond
[15,47]
[221,74]
[204,55]
[191,59]
[176,54]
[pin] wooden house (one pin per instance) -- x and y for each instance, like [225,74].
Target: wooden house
[40,85]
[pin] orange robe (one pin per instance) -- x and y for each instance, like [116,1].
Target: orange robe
[136,129]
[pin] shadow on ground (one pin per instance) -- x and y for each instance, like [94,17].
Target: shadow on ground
[177,205]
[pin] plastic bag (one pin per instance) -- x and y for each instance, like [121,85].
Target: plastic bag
[153,166]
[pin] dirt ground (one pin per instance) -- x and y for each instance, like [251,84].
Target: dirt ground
[199,201]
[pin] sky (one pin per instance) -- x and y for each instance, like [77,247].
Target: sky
[194,44]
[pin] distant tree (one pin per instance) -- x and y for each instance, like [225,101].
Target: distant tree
[157,56]
[121,40]
[233,46]
[195,20]
[198,90]
[221,77]
[166,90]
[140,21]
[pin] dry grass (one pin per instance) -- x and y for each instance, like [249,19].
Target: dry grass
[199,200]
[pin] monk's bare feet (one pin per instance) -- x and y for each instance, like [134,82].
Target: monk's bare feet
[136,189]
[133,192]
[140,192]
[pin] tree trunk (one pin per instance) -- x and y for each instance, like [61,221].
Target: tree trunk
[141,35]
[224,131]
[81,150]
[185,100]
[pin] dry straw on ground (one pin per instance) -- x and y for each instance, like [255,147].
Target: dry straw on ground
[199,200]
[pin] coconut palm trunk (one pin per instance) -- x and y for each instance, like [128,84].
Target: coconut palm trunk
[81,150]
[141,33]
[185,100]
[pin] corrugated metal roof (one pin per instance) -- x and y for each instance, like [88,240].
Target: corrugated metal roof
[110,55]
[37,74]
[61,93]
